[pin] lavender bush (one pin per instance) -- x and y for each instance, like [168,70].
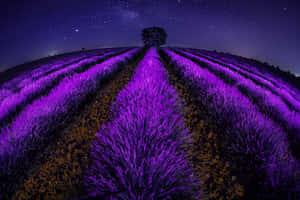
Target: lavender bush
[138,155]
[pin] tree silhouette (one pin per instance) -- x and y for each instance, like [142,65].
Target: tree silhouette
[154,36]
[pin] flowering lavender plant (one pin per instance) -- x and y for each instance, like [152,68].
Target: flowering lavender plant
[138,155]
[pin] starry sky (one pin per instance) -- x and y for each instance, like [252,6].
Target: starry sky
[267,30]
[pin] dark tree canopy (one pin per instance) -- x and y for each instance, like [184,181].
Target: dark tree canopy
[154,36]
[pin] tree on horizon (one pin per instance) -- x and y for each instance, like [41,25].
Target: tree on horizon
[154,36]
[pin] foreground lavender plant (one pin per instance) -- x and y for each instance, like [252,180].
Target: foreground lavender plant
[139,154]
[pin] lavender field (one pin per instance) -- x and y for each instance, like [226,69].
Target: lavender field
[152,123]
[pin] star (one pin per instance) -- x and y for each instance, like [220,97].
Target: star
[76,30]
[106,21]
[129,14]
[285,9]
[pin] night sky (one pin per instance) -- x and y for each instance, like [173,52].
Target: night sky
[267,30]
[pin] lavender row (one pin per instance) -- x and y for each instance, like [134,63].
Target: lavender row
[4,93]
[16,84]
[268,78]
[258,141]
[264,74]
[138,155]
[31,130]
[27,76]
[243,65]
[13,83]
[269,104]
[15,102]
[44,70]
[64,62]
[77,58]
[282,93]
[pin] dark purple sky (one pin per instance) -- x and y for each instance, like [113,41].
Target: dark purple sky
[268,30]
